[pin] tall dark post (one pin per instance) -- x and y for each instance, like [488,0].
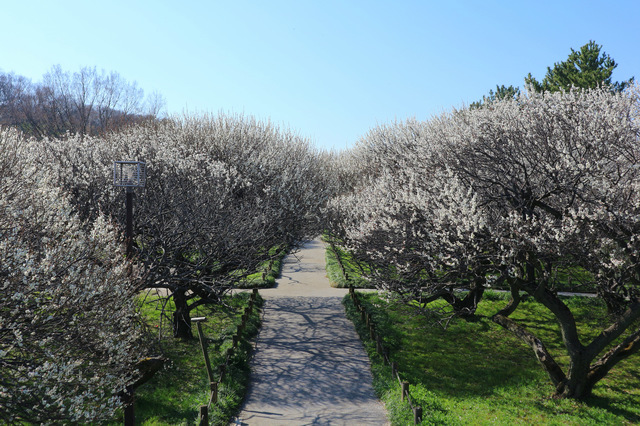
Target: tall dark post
[129,230]
[129,175]
[129,416]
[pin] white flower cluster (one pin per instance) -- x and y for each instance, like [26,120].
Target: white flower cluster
[68,334]
[543,181]
[220,192]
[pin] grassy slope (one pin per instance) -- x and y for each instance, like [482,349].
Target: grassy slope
[174,395]
[477,373]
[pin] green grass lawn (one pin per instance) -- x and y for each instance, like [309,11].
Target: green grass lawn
[353,270]
[173,396]
[269,271]
[478,373]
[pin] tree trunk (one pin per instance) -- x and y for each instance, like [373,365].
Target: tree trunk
[577,384]
[181,318]
[467,306]
[539,349]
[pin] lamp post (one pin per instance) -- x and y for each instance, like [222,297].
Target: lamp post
[130,175]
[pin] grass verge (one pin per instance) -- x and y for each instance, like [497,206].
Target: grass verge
[270,271]
[174,395]
[335,256]
[477,373]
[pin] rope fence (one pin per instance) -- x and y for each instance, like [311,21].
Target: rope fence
[384,352]
[222,368]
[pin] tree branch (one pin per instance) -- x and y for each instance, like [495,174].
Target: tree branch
[554,371]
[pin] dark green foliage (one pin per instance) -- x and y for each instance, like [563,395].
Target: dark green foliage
[586,68]
[502,92]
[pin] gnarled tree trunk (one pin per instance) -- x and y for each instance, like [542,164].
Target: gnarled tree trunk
[181,317]
[582,373]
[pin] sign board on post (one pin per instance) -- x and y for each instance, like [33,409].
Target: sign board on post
[129,174]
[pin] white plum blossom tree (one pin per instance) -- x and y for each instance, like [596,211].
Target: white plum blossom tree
[69,334]
[515,193]
[221,192]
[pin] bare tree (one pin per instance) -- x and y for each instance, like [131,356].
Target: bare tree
[86,102]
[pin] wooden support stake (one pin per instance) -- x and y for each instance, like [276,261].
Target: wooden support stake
[222,369]
[203,345]
[204,415]
[214,393]
[417,415]
[394,369]
[405,390]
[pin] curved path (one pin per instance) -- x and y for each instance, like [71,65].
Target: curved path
[309,366]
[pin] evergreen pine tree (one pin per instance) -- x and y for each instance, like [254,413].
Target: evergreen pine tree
[586,68]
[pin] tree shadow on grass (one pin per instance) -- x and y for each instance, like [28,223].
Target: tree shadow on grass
[469,358]
[164,413]
[608,405]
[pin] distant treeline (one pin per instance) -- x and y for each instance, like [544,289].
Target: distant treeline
[86,102]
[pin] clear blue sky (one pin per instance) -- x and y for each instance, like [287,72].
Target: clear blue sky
[329,70]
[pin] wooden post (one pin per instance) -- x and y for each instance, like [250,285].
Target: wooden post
[234,339]
[203,345]
[223,369]
[394,369]
[379,344]
[204,415]
[405,390]
[417,415]
[214,393]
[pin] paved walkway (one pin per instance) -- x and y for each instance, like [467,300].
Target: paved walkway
[309,367]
